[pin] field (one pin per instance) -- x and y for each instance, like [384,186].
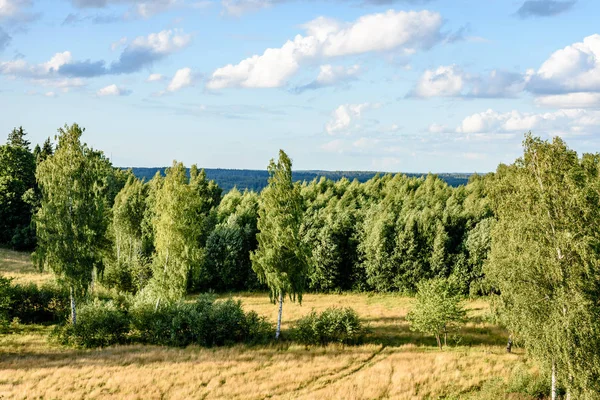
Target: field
[393,362]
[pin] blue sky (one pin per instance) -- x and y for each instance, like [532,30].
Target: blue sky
[391,85]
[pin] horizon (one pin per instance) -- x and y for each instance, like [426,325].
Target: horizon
[346,85]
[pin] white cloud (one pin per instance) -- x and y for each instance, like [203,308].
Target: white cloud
[569,100]
[43,74]
[575,68]
[164,42]
[344,116]
[451,81]
[9,8]
[444,81]
[365,143]
[113,90]
[328,38]
[155,78]
[50,94]
[437,128]
[563,121]
[183,78]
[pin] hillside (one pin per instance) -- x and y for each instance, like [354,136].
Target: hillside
[257,179]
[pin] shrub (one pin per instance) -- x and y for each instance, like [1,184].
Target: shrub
[37,305]
[205,323]
[334,325]
[438,310]
[5,302]
[98,324]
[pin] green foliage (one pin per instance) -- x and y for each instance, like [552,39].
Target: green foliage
[544,259]
[437,310]
[100,323]
[204,322]
[281,259]
[71,222]
[334,325]
[5,302]
[127,268]
[17,181]
[33,304]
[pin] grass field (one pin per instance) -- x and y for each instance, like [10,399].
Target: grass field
[393,362]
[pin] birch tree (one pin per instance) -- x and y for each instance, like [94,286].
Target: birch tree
[544,260]
[281,260]
[71,222]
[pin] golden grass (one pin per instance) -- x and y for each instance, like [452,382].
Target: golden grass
[18,265]
[393,363]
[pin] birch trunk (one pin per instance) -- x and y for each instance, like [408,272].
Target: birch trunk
[553,389]
[73,311]
[278,331]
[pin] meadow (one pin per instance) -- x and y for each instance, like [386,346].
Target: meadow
[392,363]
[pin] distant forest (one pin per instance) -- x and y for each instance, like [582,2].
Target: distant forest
[256,180]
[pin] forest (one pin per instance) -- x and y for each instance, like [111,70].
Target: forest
[525,236]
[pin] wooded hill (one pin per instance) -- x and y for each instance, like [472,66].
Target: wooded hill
[256,180]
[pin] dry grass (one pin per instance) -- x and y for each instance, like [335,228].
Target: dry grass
[18,265]
[393,363]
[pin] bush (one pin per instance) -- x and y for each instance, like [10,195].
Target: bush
[205,323]
[98,324]
[37,305]
[334,325]
[5,302]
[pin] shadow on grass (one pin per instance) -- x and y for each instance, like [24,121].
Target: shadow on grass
[394,332]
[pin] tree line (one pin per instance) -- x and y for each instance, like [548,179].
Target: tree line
[526,235]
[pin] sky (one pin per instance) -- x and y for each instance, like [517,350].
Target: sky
[386,85]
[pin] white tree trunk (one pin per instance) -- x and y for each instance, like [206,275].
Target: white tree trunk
[553,389]
[278,331]
[73,311]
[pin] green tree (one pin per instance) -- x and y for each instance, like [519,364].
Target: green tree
[17,182]
[127,268]
[544,260]
[281,260]
[71,222]
[438,310]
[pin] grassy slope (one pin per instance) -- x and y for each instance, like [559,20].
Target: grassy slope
[393,363]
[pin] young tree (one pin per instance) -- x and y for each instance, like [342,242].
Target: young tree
[281,260]
[71,222]
[544,260]
[438,309]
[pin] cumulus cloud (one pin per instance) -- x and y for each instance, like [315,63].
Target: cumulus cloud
[331,75]
[142,52]
[44,74]
[452,81]
[575,68]
[182,79]
[343,118]
[565,121]
[544,8]
[113,90]
[327,38]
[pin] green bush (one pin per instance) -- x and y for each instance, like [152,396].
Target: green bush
[204,322]
[99,324]
[334,325]
[5,302]
[37,305]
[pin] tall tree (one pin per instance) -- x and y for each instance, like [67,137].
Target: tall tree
[544,260]
[71,222]
[17,180]
[281,260]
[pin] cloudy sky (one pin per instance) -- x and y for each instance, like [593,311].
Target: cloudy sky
[392,85]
